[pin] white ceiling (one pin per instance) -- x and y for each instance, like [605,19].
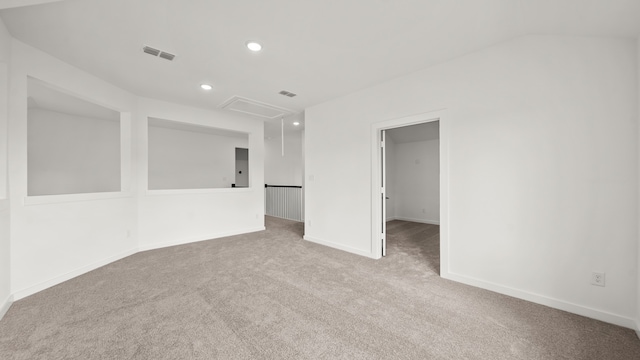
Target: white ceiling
[175,125]
[6,4]
[317,49]
[42,96]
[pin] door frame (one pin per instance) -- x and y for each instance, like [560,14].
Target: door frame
[376,179]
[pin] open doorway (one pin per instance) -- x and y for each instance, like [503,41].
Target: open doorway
[418,207]
[412,192]
[412,173]
[242,167]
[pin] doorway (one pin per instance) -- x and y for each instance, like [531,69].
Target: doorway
[242,167]
[379,190]
[412,181]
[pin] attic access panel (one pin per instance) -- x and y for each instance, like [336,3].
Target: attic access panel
[255,108]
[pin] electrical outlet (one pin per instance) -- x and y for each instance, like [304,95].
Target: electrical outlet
[597,279]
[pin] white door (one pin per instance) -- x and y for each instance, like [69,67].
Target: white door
[383,197]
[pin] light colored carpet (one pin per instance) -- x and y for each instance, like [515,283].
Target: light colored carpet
[271,295]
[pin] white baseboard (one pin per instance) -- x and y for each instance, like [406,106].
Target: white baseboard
[339,246]
[544,300]
[638,328]
[422,221]
[5,305]
[280,217]
[189,240]
[70,275]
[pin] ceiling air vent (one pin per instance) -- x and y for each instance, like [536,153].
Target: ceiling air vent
[167,56]
[151,51]
[155,52]
[255,108]
[287,93]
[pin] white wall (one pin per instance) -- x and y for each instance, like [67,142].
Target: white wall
[69,154]
[638,118]
[170,217]
[181,159]
[287,169]
[5,258]
[5,57]
[5,249]
[57,237]
[391,174]
[543,168]
[417,181]
[54,238]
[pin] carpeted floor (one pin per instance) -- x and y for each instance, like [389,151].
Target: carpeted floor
[271,295]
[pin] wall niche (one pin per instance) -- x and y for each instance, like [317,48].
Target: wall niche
[73,145]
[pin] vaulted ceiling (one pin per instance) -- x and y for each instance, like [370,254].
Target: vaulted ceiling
[318,49]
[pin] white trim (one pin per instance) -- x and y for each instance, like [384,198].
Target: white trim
[70,275]
[6,304]
[199,238]
[55,199]
[422,221]
[339,246]
[544,300]
[436,115]
[278,217]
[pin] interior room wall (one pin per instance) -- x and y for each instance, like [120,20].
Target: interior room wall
[170,217]
[5,259]
[69,154]
[5,56]
[287,169]
[58,237]
[542,162]
[5,249]
[53,238]
[638,116]
[181,159]
[391,176]
[417,176]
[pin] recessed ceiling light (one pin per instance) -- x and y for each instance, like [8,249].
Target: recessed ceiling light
[254,46]
[206,87]
[296,123]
